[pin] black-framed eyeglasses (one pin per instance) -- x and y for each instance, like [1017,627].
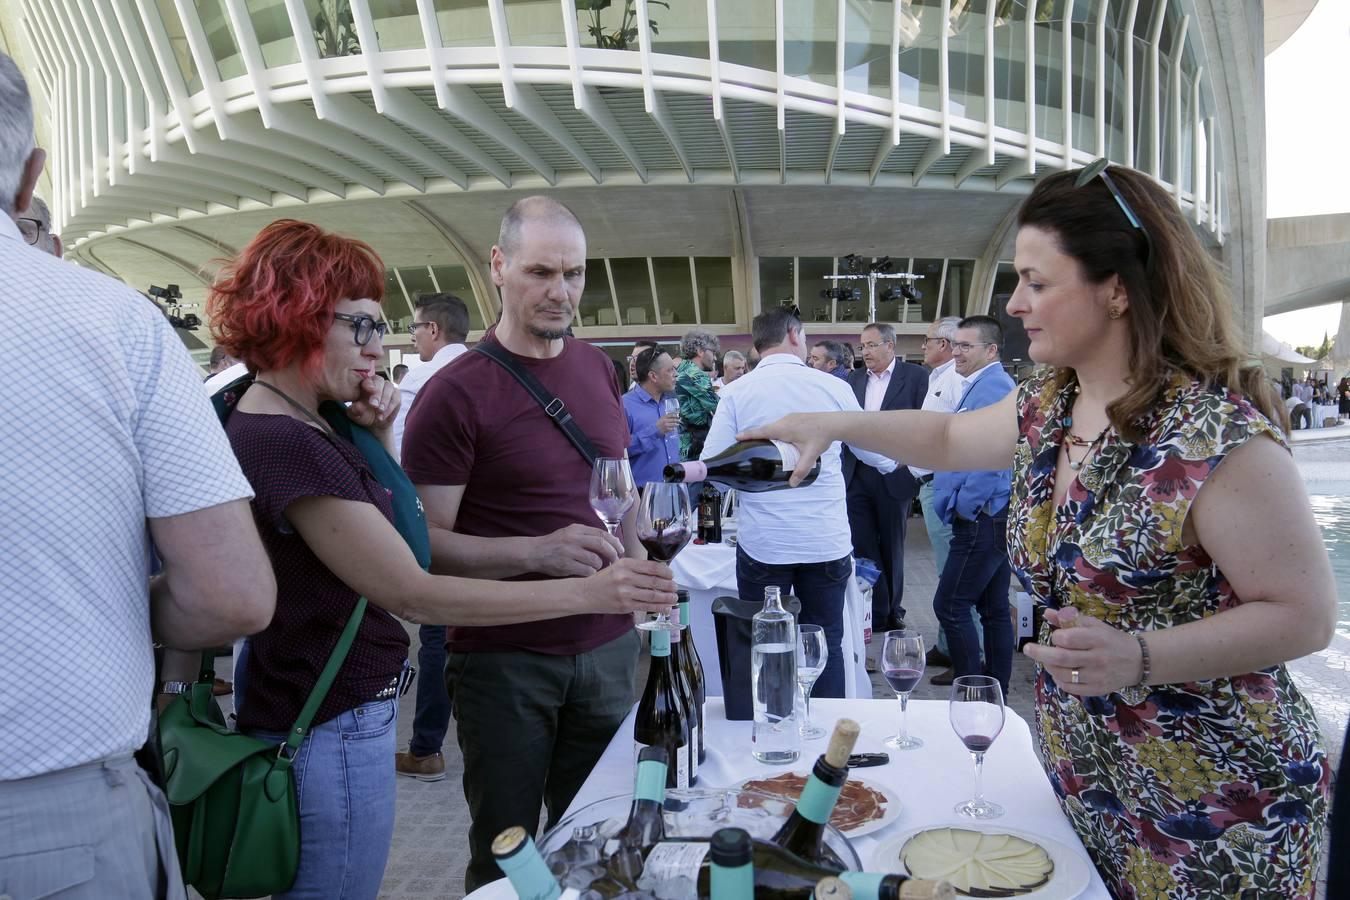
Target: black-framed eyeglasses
[31,229]
[363,327]
[413,326]
[1098,168]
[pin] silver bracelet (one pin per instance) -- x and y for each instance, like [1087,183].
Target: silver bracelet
[1146,661]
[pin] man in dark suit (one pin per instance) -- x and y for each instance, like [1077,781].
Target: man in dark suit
[879,505]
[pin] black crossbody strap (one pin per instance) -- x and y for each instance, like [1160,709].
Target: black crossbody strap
[553,407]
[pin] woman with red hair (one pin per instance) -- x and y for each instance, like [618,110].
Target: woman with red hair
[341,522]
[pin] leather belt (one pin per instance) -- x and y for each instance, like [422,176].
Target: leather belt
[924,479]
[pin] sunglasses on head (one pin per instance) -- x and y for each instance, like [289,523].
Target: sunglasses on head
[1098,169]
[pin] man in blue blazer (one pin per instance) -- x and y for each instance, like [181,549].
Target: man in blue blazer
[975,504]
[879,505]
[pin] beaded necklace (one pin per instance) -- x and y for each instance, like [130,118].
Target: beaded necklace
[1073,440]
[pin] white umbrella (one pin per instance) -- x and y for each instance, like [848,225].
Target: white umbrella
[1277,351]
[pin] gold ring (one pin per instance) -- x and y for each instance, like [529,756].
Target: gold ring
[1073,677]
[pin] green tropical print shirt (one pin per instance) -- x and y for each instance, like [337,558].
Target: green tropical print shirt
[698,402]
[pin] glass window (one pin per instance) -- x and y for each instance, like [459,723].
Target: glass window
[965,58]
[775,285]
[395,308]
[716,301]
[273,29]
[1010,58]
[334,30]
[597,305]
[633,287]
[535,23]
[416,281]
[397,26]
[455,280]
[810,39]
[219,39]
[1116,47]
[681,30]
[811,272]
[867,46]
[956,290]
[746,34]
[173,27]
[1014,352]
[1050,64]
[674,289]
[464,23]
[1084,78]
[919,34]
[928,288]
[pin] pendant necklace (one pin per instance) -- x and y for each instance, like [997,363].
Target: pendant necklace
[323,426]
[1073,440]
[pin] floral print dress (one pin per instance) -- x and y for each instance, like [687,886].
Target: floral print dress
[1207,789]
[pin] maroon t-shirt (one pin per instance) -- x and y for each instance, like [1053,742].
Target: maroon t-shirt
[286,460]
[474,425]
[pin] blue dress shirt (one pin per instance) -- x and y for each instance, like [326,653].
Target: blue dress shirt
[967,494]
[649,451]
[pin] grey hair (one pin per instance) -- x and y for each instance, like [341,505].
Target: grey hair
[536,208]
[734,355]
[837,352]
[946,328]
[886,331]
[695,342]
[16,130]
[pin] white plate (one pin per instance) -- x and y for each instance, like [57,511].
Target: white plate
[1072,872]
[892,804]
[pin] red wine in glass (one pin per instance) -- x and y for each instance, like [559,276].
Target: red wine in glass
[902,681]
[665,523]
[665,541]
[976,712]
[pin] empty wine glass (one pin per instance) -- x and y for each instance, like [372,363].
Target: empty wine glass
[612,491]
[902,661]
[664,525]
[812,654]
[671,406]
[976,712]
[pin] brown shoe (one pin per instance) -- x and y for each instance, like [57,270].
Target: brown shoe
[423,768]
[943,679]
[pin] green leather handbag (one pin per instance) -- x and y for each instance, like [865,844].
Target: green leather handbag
[232,798]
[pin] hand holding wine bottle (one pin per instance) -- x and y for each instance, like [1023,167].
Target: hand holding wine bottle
[808,433]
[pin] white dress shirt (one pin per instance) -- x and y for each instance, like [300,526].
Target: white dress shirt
[224,377]
[121,432]
[804,524]
[876,388]
[945,387]
[413,381]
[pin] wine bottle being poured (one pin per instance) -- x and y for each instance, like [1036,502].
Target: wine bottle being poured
[751,466]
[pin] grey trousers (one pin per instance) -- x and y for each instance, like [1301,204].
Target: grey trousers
[95,831]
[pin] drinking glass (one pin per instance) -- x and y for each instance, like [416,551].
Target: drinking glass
[612,491]
[902,661]
[665,523]
[812,654]
[671,406]
[977,717]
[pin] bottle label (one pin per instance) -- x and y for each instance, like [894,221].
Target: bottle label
[817,800]
[693,750]
[681,757]
[863,884]
[670,860]
[684,612]
[651,780]
[789,454]
[660,642]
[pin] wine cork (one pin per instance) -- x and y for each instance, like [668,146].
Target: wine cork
[832,889]
[922,889]
[841,743]
[509,841]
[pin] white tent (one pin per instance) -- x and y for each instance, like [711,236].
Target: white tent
[1281,354]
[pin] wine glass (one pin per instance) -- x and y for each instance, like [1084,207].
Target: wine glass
[665,523]
[977,717]
[612,491]
[812,654]
[670,405]
[902,661]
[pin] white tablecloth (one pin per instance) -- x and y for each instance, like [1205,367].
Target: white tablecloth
[1320,414]
[708,571]
[929,780]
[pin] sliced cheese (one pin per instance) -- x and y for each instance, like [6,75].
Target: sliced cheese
[978,864]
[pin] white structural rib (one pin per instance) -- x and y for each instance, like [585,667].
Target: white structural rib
[1103,7]
[404,107]
[530,105]
[1199,190]
[715,86]
[502,39]
[102,150]
[1030,168]
[780,78]
[944,85]
[840,107]
[1174,151]
[1154,91]
[652,100]
[593,107]
[1066,84]
[352,114]
[931,154]
[1131,13]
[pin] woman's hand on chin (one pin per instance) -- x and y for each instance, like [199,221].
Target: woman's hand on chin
[378,404]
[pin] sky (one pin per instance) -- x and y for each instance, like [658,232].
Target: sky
[1308,141]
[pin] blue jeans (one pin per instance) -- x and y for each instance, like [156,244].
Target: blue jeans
[431,717]
[940,536]
[976,578]
[344,778]
[820,587]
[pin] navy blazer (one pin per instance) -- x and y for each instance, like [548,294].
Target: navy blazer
[907,388]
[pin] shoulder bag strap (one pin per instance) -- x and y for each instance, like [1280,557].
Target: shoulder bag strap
[554,408]
[326,677]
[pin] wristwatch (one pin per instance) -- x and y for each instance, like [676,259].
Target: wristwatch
[176,687]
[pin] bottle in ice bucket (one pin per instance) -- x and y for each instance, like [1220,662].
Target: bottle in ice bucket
[773,681]
[646,825]
[662,716]
[688,660]
[519,859]
[732,876]
[804,831]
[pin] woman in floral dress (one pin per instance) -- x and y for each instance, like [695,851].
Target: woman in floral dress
[1157,514]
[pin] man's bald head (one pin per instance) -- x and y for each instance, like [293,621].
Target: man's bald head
[537,209]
